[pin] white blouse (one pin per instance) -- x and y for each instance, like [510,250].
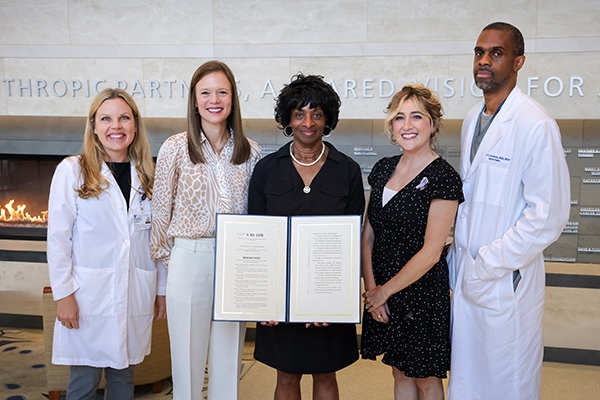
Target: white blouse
[387,195]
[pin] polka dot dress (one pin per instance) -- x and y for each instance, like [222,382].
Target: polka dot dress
[417,338]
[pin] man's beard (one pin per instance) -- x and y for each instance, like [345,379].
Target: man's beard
[490,86]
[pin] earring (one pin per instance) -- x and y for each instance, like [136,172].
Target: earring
[327,131]
[287,131]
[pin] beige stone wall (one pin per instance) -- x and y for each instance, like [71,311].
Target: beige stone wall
[48,48]
[54,55]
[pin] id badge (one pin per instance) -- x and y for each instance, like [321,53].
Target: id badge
[142,221]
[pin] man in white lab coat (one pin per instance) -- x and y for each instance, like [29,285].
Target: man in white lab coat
[517,199]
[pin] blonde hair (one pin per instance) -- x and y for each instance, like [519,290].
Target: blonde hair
[92,155]
[241,145]
[425,101]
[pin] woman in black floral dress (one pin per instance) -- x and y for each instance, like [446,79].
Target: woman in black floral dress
[414,197]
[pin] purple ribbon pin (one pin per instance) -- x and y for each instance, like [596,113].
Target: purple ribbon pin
[422,184]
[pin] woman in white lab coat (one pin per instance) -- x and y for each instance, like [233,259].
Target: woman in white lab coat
[106,284]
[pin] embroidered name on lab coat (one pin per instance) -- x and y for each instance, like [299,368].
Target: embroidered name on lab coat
[498,159]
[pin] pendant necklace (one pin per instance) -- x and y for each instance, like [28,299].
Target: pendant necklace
[306,188]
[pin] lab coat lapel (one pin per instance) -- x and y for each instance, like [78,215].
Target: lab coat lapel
[468,135]
[135,186]
[117,200]
[494,133]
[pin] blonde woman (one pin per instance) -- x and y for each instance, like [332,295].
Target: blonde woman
[99,217]
[414,197]
[199,173]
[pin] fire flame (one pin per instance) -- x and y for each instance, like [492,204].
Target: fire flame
[18,214]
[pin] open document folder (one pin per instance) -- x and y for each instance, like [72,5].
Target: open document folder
[287,269]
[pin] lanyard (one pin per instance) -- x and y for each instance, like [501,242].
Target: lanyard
[142,220]
[140,191]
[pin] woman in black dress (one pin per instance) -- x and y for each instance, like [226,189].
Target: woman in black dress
[414,197]
[306,176]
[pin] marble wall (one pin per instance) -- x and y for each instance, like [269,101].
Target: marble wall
[55,55]
[52,54]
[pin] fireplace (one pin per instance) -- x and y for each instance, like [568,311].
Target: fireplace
[24,188]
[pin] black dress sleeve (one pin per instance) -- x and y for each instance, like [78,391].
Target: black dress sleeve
[374,172]
[449,184]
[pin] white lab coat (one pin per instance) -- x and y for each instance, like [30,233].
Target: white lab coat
[517,201]
[95,252]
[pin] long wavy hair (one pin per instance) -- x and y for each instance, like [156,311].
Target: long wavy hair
[241,146]
[93,153]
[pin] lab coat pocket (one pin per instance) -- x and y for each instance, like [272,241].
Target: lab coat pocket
[482,293]
[95,296]
[142,291]
[491,180]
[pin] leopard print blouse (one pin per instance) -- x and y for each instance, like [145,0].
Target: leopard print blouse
[187,196]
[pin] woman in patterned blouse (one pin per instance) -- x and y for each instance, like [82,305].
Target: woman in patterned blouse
[199,173]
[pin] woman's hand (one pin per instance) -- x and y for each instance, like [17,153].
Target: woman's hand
[317,324]
[375,297]
[275,323]
[380,314]
[160,307]
[67,312]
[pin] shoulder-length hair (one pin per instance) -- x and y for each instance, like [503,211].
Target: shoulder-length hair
[92,155]
[309,90]
[241,146]
[425,101]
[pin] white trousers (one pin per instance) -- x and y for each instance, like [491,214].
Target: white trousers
[192,333]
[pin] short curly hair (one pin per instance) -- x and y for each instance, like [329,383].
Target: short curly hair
[425,100]
[306,90]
